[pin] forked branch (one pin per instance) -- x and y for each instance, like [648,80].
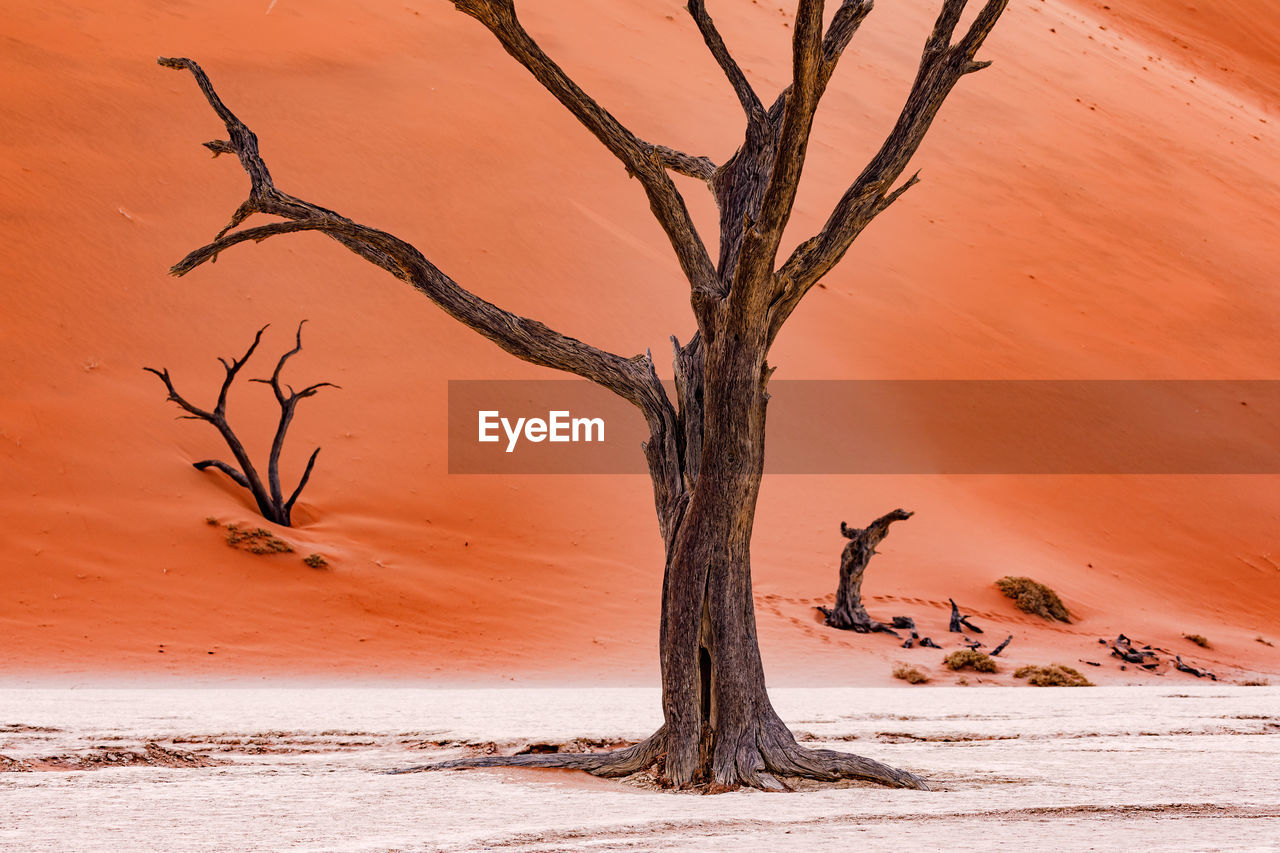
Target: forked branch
[269,496]
[800,104]
[943,63]
[641,159]
[741,86]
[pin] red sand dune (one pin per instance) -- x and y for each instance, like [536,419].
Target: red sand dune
[1099,204]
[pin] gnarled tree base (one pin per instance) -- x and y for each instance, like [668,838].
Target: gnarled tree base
[774,754]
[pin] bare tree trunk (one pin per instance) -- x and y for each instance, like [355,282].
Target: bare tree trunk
[720,729]
[849,614]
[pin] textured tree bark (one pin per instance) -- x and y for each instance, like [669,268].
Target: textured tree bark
[706,449]
[849,613]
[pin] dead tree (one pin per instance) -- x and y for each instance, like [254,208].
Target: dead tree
[959,623]
[706,446]
[1198,673]
[849,614]
[269,496]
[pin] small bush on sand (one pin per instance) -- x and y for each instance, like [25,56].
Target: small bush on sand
[1034,597]
[256,541]
[909,674]
[211,521]
[1198,639]
[315,561]
[970,659]
[1054,675]
[1256,682]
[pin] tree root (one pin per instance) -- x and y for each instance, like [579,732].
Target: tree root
[616,762]
[758,763]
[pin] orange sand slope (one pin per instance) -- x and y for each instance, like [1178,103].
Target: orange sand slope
[1091,207]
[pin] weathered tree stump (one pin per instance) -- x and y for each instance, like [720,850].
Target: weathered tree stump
[849,613]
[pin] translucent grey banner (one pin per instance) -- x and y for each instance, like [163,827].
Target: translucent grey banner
[896,427]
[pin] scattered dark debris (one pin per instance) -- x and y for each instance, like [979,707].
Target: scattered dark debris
[22,727]
[1198,673]
[906,623]
[489,747]
[1123,648]
[1089,662]
[998,649]
[908,737]
[151,755]
[575,745]
[1147,658]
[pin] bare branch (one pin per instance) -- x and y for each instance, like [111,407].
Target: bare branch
[310,390]
[941,67]
[274,381]
[840,32]
[634,379]
[196,413]
[640,158]
[231,472]
[288,405]
[797,118]
[782,161]
[685,164]
[527,339]
[306,475]
[247,475]
[224,240]
[893,196]
[741,86]
[234,368]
